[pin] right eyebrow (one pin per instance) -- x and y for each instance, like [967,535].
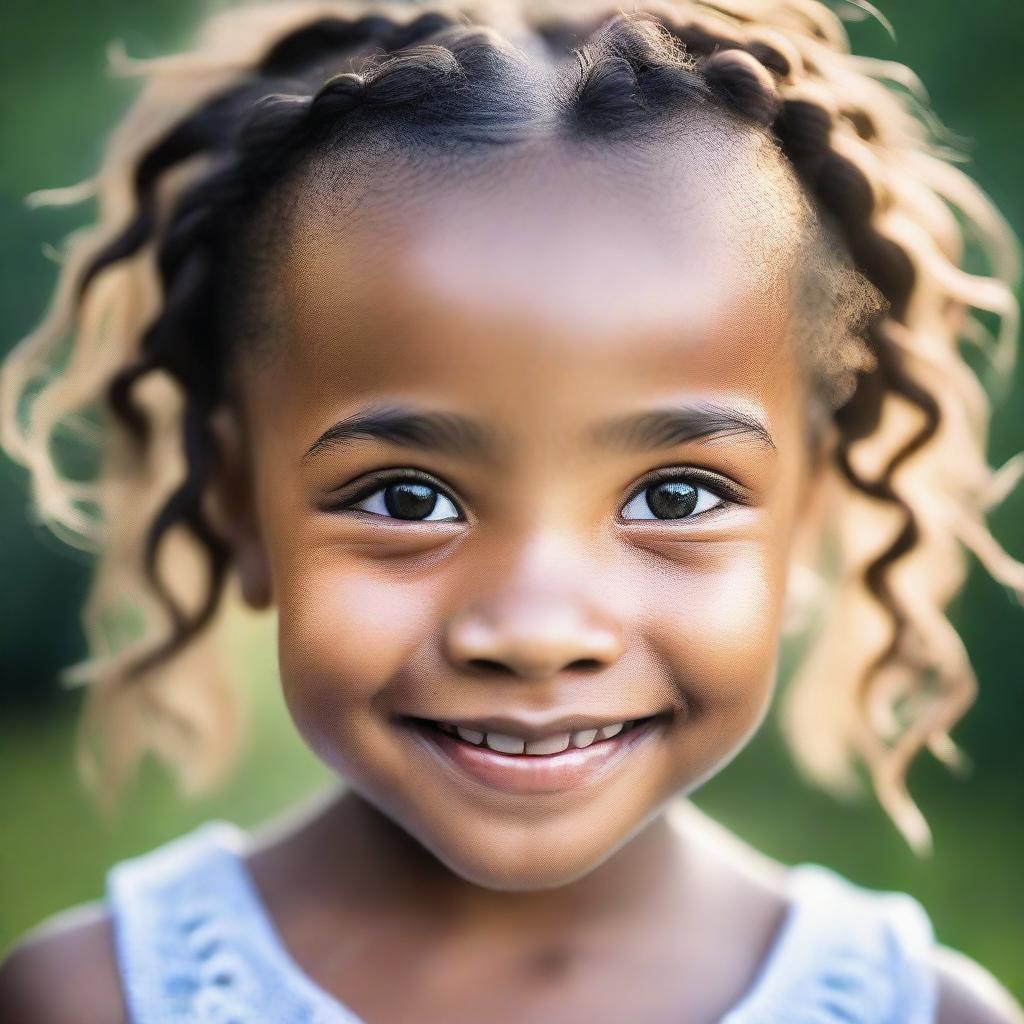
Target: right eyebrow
[447,432]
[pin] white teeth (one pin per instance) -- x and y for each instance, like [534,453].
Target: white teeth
[505,744]
[550,745]
[584,737]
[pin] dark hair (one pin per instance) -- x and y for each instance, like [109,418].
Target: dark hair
[455,79]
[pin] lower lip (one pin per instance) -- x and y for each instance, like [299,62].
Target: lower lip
[533,773]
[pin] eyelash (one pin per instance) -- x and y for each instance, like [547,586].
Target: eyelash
[728,492]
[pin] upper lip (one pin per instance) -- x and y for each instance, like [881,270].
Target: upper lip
[535,728]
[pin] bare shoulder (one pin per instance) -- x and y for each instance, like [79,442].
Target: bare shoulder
[64,970]
[969,994]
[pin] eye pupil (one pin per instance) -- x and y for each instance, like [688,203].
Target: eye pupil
[408,500]
[672,499]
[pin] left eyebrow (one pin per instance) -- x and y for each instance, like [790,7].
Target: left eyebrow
[665,428]
[458,435]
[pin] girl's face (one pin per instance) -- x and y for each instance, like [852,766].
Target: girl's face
[582,509]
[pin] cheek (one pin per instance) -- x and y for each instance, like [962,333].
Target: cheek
[344,632]
[735,617]
[719,637]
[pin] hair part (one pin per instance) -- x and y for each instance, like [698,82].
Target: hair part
[143,299]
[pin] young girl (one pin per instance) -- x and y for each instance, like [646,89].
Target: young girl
[529,361]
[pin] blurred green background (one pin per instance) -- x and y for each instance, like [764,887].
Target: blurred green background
[57,103]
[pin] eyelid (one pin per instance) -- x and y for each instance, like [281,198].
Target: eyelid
[381,478]
[712,481]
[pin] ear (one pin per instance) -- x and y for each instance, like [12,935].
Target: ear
[235,497]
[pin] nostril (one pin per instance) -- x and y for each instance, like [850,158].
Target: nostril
[488,665]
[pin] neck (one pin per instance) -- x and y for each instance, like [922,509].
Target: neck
[382,864]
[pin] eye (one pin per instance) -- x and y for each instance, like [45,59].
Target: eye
[679,495]
[409,497]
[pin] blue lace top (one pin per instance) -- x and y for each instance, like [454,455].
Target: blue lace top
[194,943]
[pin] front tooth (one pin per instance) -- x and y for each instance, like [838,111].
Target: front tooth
[550,745]
[584,737]
[607,731]
[505,744]
[470,735]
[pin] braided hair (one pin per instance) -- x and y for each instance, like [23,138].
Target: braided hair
[149,300]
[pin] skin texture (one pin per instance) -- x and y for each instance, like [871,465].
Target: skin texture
[541,299]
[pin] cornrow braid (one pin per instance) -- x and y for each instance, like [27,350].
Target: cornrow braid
[217,131]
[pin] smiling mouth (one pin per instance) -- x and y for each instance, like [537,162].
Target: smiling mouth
[517,746]
[514,770]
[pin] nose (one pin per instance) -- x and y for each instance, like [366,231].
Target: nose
[533,628]
[534,643]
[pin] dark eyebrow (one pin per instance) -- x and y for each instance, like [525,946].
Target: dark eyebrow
[459,435]
[447,432]
[665,428]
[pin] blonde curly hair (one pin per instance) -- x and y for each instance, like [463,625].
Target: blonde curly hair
[122,360]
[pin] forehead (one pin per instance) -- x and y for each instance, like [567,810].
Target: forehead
[674,259]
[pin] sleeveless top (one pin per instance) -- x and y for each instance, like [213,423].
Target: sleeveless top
[194,943]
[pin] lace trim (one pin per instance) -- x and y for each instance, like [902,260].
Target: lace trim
[847,955]
[196,944]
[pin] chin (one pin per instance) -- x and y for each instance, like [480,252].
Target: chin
[534,870]
[525,857]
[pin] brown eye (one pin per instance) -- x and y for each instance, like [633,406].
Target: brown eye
[408,499]
[673,499]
